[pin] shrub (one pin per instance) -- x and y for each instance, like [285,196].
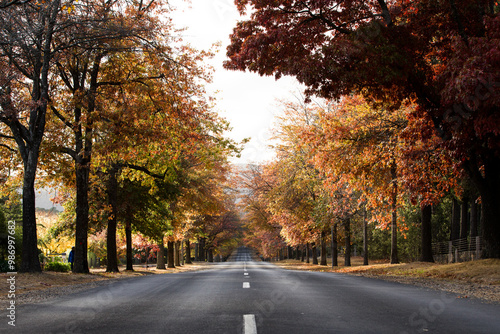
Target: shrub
[57,266]
[4,266]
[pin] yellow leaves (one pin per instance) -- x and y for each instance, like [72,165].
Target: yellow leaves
[69,9]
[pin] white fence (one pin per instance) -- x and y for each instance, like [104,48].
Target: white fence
[459,250]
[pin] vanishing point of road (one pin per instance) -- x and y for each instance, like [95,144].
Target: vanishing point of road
[246,296]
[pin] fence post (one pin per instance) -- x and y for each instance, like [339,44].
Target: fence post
[450,252]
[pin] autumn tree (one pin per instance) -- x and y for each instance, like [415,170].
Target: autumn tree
[126,83]
[29,45]
[254,182]
[442,55]
[298,191]
[358,149]
[429,173]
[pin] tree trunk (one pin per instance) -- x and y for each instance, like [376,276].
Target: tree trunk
[188,252]
[128,240]
[170,254]
[394,223]
[112,190]
[82,218]
[487,181]
[297,253]
[210,255]
[314,253]
[303,253]
[464,218]
[197,250]
[347,237]
[182,253]
[30,261]
[490,223]
[28,138]
[323,249]
[201,249]
[177,254]
[365,239]
[160,255]
[473,219]
[455,220]
[335,252]
[426,255]
[82,157]
[308,254]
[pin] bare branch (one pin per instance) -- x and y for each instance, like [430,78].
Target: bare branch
[61,117]
[8,147]
[70,152]
[7,3]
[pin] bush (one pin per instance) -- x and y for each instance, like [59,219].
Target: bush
[57,266]
[4,266]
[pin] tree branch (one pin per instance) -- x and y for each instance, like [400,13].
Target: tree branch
[456,17]
[8,147]
[385,12]
[6,137]
[137,80]
[69,151]
[6,3]
[61,117]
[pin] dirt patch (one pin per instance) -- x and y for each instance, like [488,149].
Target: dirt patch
[474,279]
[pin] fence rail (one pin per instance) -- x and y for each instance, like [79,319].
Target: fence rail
[459,250]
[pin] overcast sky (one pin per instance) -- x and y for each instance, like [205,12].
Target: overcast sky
[246,100]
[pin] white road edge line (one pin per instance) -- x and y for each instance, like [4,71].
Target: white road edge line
[246,285]
[249,325]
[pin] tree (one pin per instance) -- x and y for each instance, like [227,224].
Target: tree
[261,233]
[424,51]
[428,173]
[28,47]
[102,31]
[357,149]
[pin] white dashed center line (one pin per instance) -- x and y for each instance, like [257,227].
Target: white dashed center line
[246,285]
[249,325]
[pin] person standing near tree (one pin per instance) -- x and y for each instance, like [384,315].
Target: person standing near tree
[71,257]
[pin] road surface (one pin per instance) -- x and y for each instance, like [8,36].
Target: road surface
[244,296]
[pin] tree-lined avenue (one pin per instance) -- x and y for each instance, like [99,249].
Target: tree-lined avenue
[280,301]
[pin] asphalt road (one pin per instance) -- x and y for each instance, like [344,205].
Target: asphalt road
[255,297]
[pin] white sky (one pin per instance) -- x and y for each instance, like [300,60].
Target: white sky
[246,100]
